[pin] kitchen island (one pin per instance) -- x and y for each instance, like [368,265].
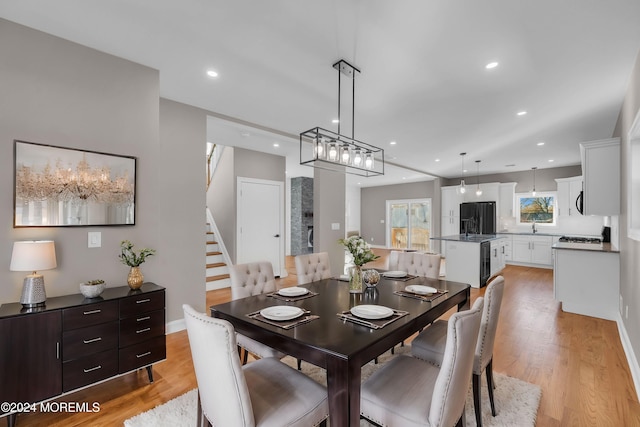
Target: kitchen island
[586,279]
[473,258]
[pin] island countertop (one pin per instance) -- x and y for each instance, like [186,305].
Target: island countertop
[471,238]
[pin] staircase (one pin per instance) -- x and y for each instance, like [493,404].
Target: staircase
[217,269]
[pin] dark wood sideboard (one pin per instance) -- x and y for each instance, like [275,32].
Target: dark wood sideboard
[73,342]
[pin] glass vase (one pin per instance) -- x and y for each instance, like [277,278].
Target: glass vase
[135,278]
[355,281]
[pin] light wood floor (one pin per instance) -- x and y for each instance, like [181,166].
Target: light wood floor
[578,362]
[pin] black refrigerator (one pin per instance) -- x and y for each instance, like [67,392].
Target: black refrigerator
[478,218]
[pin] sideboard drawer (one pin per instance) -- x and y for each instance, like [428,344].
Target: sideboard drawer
[77,343]
[142,327]
[90,369]
[88,315]
[143,354]
[134,305]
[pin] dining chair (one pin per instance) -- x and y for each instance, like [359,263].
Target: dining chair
[429,345]
[408,391]
[312,267]
[250,279]
[418,264]
[265,392]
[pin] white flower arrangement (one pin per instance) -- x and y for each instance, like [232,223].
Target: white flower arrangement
[359,249]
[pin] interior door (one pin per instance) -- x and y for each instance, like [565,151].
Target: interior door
[260,225]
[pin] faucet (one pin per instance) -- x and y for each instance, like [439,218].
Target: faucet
[533,227]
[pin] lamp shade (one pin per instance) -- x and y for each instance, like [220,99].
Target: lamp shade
[33,256]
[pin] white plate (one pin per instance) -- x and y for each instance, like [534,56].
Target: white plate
[371,311]
[421,290]
[394,274]
[281,312]
[294,291]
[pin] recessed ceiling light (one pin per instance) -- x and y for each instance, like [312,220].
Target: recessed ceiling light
[393,143]
[464,171]
[540,144]
[550,160]
[404,177]
[510,165]
[522,113]
[437,160]
[275,144]
[335,121]
[491,65]
[212,73]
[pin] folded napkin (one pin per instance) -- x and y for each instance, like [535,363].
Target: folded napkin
[276,295]
[428,297]
[401,279]
[347,316]
[285,324]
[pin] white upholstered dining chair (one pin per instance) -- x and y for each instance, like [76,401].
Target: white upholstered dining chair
[416,263]
[409,392]
[312,267]
[429,345]
[265,392]
[250,279]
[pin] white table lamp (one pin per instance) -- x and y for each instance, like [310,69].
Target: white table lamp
[33,256]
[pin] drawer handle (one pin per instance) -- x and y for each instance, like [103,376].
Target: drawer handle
[143,330]
[92,340]
[95,368]
[142,301]
[143,318]
[92,312]
[143,354]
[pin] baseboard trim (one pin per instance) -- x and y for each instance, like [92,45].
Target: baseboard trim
[176,326]
[632,360]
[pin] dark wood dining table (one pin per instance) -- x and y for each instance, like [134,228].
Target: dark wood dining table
[339,346]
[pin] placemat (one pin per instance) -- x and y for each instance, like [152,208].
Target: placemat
[285,324]
[276,295]
[427,298]
[372,323]
[400,279]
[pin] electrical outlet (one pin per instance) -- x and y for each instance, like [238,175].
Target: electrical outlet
[94,239]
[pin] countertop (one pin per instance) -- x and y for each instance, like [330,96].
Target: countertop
[471,238]
[605,247]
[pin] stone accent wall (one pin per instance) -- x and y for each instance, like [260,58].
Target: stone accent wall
[301,214]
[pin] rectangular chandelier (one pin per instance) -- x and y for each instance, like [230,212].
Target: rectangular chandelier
[322,148]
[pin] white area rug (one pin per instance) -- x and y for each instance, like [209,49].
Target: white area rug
[516,401]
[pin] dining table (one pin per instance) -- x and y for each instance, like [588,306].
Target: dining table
[337,341]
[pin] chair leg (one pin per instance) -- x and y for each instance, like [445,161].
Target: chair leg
[462,421]
[299,364]
[491,385]
[245,356]
[393,350]
[477,399]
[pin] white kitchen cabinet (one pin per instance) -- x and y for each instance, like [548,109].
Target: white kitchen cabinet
[601,176]
[490,192]
[568,191]
[507,242]
[450,201]
[497,256]
[533,250]
[506,200]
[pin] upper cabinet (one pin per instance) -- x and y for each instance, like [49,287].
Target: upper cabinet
[506,200]
[568,191]
[601,177]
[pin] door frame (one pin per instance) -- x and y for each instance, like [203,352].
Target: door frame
[280,269]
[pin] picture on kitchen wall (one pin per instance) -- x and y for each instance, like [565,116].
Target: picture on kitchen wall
[64,187]
[537,209]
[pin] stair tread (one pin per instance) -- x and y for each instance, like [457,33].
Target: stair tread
[214,253]
[218,277]
[212,242]
[216,264]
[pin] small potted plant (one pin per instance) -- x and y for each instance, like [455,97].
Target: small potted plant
[92,288]
[133,259]
[362,254]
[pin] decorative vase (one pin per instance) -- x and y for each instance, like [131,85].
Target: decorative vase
[135,278]
[355,281]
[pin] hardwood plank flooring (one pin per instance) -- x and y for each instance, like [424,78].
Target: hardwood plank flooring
[578,362]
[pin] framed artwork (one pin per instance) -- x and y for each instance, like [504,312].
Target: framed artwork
[65,187]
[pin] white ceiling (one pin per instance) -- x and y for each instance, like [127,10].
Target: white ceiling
[423,81]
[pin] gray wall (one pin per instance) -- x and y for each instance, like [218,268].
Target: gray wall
[629,248]
[373,206]
[60,93]
[545,178]
[221,197]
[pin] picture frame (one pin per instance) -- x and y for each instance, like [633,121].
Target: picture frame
[67,187]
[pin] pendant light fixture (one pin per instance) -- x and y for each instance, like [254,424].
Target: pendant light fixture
[463,188]
[533,193]
[325,149]
[478,190]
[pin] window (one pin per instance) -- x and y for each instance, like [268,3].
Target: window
[409,224]
[539,209]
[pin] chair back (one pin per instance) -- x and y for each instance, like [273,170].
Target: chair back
[312,267]
[489,324]
[452,383]
[253,278]
[221,383]
[417,264]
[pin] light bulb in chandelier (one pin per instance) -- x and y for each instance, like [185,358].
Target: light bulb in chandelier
[463,189]
[333,151]
[345,155]
[357,158]
[368,160]
[319,149]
